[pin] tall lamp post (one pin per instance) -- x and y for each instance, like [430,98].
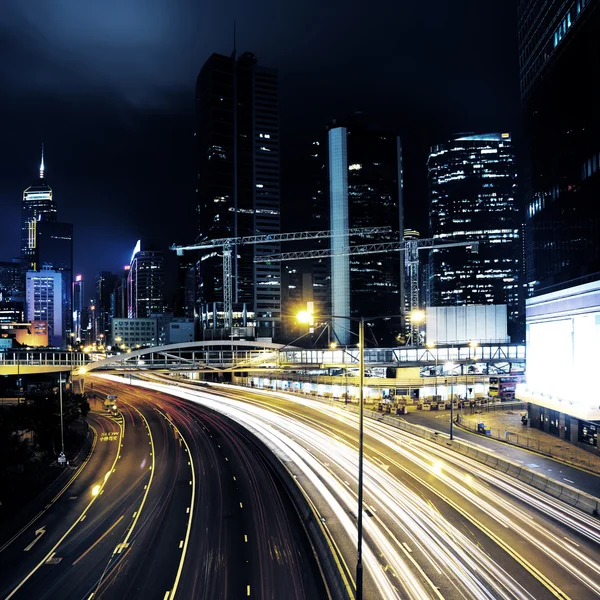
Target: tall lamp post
[472,346]
[416,317]
[431,346]
[449,366]
[308,318]
[62,430]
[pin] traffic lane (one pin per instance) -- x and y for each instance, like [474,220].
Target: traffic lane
[80,561]
[250,522]
[35,541]
[149,567]
[540,560]
[582,480]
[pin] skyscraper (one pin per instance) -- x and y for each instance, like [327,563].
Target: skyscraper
[37,206]
[472,194]
[145,283]
[54,250]
[365,189]
[44,302]
[237,135]
[78,308]
[105,287]
[560,94]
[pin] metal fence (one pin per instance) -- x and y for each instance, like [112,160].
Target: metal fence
[556,449]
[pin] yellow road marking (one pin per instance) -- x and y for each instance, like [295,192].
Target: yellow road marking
[100,539]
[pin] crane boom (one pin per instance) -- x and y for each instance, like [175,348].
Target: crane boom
[272,238]
[228,244]
[365,249]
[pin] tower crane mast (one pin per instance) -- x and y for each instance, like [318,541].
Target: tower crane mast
[229,244]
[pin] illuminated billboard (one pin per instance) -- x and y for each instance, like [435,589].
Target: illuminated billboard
[563,345]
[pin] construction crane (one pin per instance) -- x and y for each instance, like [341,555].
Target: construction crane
[410,248]
[228,244]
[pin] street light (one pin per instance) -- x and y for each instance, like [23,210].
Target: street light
[449,366]
[431,346]
[307,318]
[416,317]
[474,345]
[62,430]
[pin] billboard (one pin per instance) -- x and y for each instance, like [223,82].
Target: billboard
[462,324]
[563,345]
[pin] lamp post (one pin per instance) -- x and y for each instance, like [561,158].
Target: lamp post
[449,366]
[308,318]
[473,345]
[62,430]
[416,317]
[431,346]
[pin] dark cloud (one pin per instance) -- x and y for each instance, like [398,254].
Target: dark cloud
[108,86]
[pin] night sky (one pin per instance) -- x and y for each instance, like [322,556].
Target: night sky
[108,86]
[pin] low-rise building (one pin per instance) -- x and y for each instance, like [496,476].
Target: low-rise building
[134,333]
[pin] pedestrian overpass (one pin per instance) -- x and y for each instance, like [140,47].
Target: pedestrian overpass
[236,356]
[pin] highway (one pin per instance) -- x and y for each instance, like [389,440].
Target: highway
[172,503]
[580,478]
[436,525]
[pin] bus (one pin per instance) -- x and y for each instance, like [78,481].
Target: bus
[504,386]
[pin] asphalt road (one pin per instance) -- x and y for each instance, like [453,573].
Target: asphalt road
[581,479]
[436,525]
[185,507]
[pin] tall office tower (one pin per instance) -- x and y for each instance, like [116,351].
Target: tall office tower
[37,206]
[78,306]
[105,287]
[237,135]
[560,95]
[145,283]
[54,250]
[11,281]
[44,302]
[120,300]
[472,194]
[365,186]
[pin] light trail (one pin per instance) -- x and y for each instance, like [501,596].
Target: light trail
[441,551]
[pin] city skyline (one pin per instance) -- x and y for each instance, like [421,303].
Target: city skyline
[124,152]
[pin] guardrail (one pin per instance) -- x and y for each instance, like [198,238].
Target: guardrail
[559,449]
[564,492]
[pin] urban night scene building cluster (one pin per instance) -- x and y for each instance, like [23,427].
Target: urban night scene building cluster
[300,300]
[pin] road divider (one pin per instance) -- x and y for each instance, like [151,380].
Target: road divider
[566,493]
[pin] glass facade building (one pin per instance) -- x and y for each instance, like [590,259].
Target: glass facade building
[44,291]
[365,190]
[37,206]
[559,48]
[238,188]
[472,194]
[54,250]
[146,283]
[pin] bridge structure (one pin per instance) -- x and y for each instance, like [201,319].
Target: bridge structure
[256,356]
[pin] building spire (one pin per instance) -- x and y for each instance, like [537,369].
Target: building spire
[234,53]
[42,164]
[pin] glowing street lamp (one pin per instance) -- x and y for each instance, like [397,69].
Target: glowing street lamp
[449,367]
[416,317]
[308,318]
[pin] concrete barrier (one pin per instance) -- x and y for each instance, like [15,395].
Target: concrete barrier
[563,492]
[330,561]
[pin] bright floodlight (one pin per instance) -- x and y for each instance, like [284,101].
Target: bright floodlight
[333,345]
[417,316]
[304,316]
[430,344]
[95,490]
[473,344]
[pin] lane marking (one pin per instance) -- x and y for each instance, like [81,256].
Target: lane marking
[60,493]
[571,542]
[181,544]
[245,538]
[38,536]
[52,552]
[568,480]
[241,506]
[99,539]
[248,591]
